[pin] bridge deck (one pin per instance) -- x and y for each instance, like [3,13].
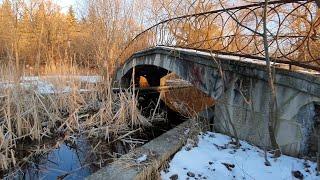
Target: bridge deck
[242,59]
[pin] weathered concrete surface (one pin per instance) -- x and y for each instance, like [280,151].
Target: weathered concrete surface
[158,151]
[241,92]
[247,107]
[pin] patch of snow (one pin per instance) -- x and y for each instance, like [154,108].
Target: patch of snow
[308,71]
[90,79]
[186,131]
[238,58]
[43,85]
[215,158]
[142,158]
[30,78]
[231,57]
[5,84]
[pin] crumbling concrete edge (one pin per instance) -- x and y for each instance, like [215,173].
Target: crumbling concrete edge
[158,152]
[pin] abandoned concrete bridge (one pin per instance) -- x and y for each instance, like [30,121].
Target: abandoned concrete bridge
[240,87]
[223,52]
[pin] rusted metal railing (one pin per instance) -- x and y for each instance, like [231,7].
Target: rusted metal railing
[293,33]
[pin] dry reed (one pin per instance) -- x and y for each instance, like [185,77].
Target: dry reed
[44,106]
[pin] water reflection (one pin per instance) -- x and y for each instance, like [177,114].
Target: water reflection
[64,162]
[70,160]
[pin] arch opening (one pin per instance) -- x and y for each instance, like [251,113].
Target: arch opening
[183,96]
[150,74]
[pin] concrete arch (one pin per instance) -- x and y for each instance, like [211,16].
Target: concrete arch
[241,89]
[195,73]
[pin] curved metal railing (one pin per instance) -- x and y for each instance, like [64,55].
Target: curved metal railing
[293,33]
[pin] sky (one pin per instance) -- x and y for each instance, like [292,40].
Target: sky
[65,4]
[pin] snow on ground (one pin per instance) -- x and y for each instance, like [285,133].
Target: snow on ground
[215,158]
[44,85]
[89,79]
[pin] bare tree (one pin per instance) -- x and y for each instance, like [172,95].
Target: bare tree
[272,114]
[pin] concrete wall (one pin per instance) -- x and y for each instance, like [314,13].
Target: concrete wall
[247,108]
[241,92]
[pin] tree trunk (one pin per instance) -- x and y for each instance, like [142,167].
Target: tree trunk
[272,116]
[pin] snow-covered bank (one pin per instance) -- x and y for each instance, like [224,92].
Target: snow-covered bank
[49,84]
[215,158]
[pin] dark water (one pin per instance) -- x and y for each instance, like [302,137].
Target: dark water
[79,157]
[65,160]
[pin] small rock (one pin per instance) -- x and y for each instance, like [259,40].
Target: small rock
[232,152]
[210,163]
[267,163]
[229,166]
[166,171]
[306,164]
[220,147]
[297,174]
[234,143]
[174,177]
[191,174]
[307,170]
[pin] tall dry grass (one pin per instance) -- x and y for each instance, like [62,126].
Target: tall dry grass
[40,107]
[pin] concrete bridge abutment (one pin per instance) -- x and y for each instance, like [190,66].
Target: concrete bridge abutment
[240,88]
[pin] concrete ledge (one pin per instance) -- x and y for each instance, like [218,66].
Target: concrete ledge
[158,151]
